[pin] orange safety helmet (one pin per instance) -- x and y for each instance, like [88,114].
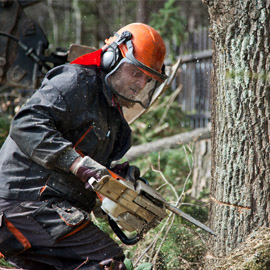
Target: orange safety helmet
[148,48]
[139,45]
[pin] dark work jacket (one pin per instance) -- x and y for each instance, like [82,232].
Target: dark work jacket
[72,108]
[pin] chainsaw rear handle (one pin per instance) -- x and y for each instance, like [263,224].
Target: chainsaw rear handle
[143,180]
[117,176]
[121,235]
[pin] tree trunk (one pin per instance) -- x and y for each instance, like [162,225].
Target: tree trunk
[141,15]
[201,176]
[78,21]
[54,22]
[253,254]
[240,190]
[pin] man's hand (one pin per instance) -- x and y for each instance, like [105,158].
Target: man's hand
[111,264]
[121,169]
[85,168]
[131,173]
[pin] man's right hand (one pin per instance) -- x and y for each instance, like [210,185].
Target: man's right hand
[85,168]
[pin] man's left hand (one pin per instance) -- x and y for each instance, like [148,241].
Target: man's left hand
[111,264]
[131,173]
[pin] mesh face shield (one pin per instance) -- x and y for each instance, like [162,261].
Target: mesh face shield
[130,82]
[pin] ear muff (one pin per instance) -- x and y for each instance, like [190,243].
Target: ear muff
[110,59]
[112,55]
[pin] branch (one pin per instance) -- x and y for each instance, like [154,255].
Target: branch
[169,221]
[171,100]
[168,143]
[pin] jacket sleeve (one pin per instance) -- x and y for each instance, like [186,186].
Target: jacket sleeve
[39,126]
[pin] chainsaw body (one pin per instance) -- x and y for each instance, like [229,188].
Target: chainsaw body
[134,207]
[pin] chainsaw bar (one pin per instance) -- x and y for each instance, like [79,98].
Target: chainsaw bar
[142,187]
[189,218]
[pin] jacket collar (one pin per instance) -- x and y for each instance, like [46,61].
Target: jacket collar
[94,59]
[89,59]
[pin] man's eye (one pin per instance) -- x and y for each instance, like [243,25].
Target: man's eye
[149,80]
[137,73]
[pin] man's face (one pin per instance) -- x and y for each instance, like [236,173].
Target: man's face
[128,81]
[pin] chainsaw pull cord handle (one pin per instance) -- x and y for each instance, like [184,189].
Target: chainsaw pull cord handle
[121,235]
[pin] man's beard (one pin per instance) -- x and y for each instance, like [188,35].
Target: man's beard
[124,103]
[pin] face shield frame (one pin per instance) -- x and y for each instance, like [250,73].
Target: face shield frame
[143,96]
[129,55]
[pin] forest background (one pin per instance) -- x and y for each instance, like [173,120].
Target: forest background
[174,244]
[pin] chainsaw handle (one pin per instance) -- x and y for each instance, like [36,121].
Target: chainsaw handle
[121,235]
[144,180]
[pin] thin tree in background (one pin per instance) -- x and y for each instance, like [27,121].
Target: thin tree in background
[78,21]
[141,14]
[170,25]
[54,22]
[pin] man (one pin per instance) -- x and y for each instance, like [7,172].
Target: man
[70,130]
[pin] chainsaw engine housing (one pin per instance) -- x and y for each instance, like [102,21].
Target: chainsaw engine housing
[133,207]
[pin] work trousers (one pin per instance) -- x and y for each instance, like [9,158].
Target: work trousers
[52,235]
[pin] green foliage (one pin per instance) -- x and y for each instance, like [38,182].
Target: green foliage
[182,247]
[161,120]
[128,264]
[173,163]
[169,23]
[102,225]
[4,128]
[4,263]
[145,266]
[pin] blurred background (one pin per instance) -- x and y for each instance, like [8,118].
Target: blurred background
[182,173]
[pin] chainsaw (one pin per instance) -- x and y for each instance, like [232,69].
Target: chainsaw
[134,206]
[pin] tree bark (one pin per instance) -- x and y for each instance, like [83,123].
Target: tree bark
[240,190]
[253,254]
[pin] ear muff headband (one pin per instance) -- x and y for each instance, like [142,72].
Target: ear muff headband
[111,55]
